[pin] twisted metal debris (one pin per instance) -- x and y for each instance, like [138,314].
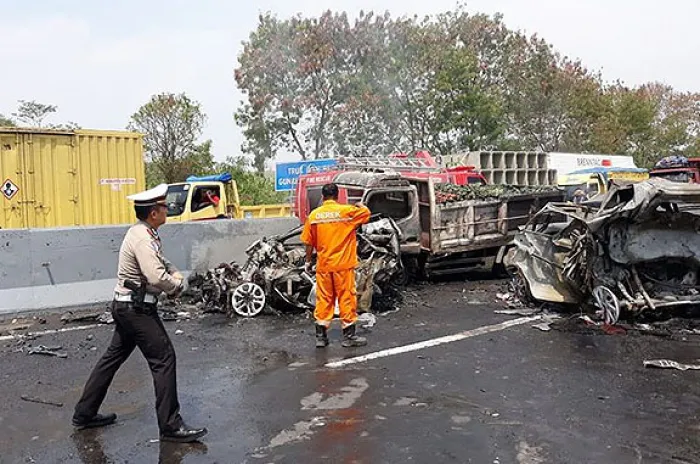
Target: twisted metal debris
[637,253]
[274,274]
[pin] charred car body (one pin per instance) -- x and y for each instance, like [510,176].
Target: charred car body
[274,273]
[639,251]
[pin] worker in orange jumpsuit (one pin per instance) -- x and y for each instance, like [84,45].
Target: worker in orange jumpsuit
[330,229]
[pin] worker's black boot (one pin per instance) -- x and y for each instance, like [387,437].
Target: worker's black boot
[321,336]
[350,339]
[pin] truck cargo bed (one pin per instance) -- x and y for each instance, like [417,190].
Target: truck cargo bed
[475,224]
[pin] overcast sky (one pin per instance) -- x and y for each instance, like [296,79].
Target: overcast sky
[99,61]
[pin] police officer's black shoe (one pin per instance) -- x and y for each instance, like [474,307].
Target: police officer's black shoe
[99,420]
[184,434]
[321,336]
[350,339]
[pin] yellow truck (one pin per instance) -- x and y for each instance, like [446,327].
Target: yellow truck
[584,184]
[214,197]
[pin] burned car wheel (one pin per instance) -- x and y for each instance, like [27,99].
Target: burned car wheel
[248,300]
[520,288]
[608,303]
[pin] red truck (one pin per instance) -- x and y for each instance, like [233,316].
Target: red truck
[678,169]
[437,237]
[422,166]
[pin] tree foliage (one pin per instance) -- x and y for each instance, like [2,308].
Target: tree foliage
[6,122]
[254,188]
[321,86]
[32,113]
[172,124]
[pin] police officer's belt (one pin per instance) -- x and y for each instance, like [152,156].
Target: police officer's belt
[148,298]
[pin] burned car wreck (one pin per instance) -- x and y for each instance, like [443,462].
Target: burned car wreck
[274,274]
[638,252]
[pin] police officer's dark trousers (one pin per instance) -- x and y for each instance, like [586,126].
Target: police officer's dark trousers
[134,327]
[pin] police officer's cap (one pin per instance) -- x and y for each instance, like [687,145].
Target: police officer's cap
[151,197]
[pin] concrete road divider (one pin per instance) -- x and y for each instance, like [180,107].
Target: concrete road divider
[54,268]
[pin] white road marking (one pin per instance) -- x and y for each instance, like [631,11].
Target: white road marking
[434,342]
[303,430]
[53,331]
[346,398]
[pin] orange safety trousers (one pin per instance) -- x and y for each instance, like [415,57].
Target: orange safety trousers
[338,285]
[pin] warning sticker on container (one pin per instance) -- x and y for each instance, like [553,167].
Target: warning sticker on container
[9,189]
[126,181]
[116,183]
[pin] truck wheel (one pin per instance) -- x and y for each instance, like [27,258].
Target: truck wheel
[412,271]
[499,270]
[402,278]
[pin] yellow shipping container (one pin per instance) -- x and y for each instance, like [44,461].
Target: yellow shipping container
[68,178]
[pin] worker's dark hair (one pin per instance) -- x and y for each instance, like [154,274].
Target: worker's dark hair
[330,191]
[142,212]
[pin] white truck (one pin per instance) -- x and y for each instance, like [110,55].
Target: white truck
[531,167]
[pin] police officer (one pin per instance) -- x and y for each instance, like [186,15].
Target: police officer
[143,273]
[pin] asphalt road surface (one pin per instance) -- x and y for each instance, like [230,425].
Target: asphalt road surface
[500,391]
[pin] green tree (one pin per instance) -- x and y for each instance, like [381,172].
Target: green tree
[32,114]
[294,74]
[324,86]
[199,162]
[466,116]
[254,188]
[171,125]
[6,122]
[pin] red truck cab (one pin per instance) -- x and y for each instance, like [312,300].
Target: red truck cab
[687,174]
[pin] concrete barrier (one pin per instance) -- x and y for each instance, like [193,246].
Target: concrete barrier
[54,268]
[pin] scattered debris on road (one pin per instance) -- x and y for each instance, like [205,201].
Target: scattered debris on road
[273,275]
[638,253]
[518,312]
[102,317]
[668,364]
[34,399]
[48,351]
[367,320]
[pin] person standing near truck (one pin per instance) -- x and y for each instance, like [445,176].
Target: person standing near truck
[330,230]
[143,273]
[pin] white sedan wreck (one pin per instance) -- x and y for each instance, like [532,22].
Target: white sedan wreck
[638,251]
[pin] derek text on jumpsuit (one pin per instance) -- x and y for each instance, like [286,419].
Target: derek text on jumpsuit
[330,229]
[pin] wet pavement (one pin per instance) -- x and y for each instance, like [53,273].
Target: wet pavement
[516,395]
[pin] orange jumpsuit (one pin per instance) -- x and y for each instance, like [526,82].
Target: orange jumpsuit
[330,229]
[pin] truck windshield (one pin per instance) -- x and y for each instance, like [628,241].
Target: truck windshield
[177,199]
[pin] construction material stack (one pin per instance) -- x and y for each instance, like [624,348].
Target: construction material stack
[507,167]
